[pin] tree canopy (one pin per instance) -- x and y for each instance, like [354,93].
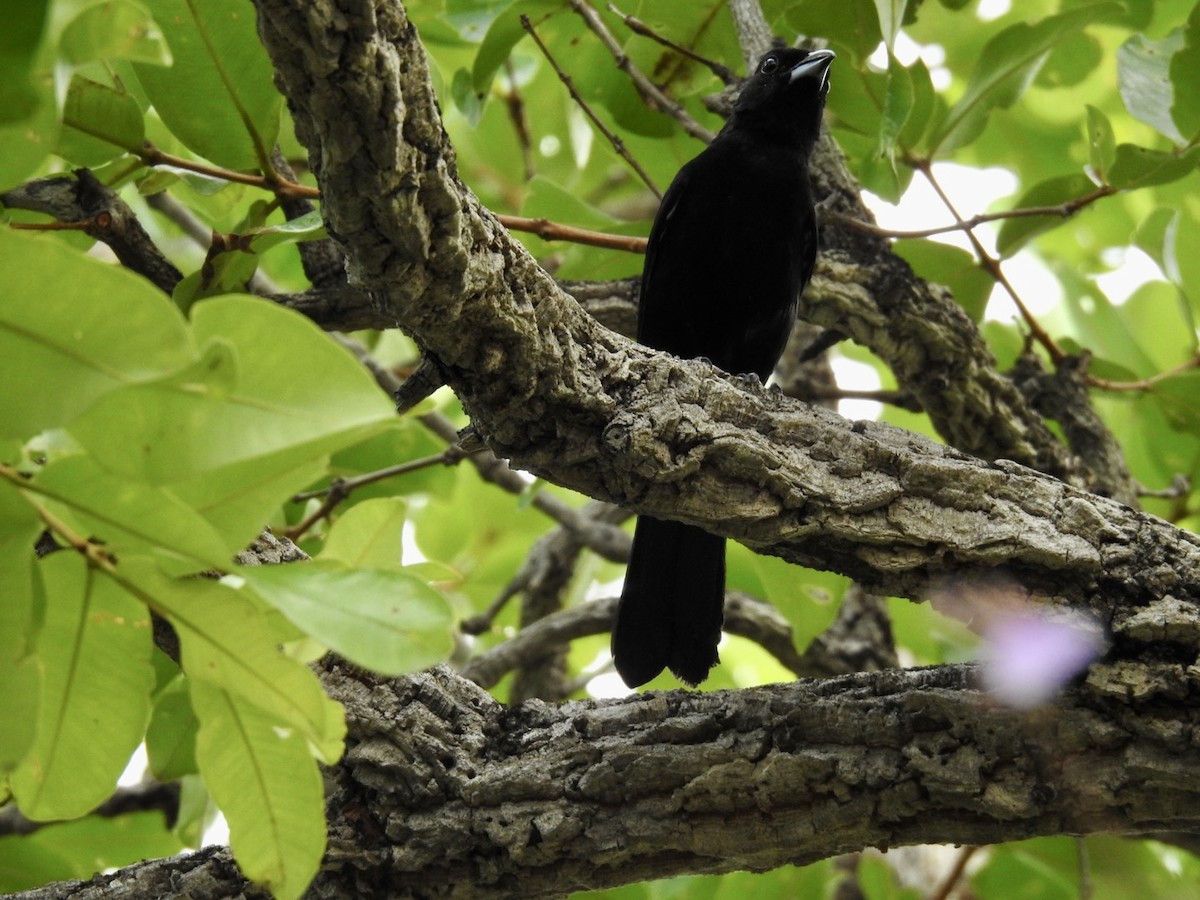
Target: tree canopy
[377,642]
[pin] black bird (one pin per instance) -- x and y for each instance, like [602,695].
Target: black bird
[732,247]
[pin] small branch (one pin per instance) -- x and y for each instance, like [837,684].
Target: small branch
[341,488]
[992,266]
[1060,210]
[654,97]
[960,867]
[754,33]
[515,104]
[1144,384]
[152,156]
[552,231]
[901,399]
[637,26]
[617,144]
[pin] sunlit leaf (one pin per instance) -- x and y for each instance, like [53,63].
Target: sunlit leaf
[63,851]
[270,383]
[227,641]
[218,96]
[19,668]
[1139,167]
[387,621]
[73,329]
[267,784]
[1143,73]
[1102,147]
[1054,192]
[1008,63]
[113,29]
[94,648]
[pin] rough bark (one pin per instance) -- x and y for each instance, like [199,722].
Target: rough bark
[561,396]
[445,793]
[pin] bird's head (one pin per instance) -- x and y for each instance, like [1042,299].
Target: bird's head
[786,91]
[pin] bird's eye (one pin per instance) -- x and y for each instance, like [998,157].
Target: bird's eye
[769,65]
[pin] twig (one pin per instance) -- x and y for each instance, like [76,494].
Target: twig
[552,231]
[1060,210]
[341,488]
[901,399]
[637,26]
[960,866]
[992,266]
[1144,384]
[516,113]
[617,144]
[152,156]
[644,86]
[753,32]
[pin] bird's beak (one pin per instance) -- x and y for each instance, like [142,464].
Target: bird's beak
[815,65]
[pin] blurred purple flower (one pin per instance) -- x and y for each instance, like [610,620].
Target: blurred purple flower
[1028,657]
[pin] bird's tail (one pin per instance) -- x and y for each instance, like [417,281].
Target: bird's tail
[670,613]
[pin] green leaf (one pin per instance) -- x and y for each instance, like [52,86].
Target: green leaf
[218,97]
[898,102]
[19,670]
[1140,167]
[953,267]
[891,17]
[1157,317]
[1155,237]
[878,881]
[20,41]
[1071,61]
[503,33]
[227,642]
[94,649]
[64,851]
[387,621]
[810,600]
[236,499]
[115,29]
[106,328]
[1179,399]
[1185,106]
[1007,64]
[28,142]
[102,123]
[270,384]
[466,98]
[308,227]
[853,23]
[370,535]
[1102,145]
[1016,232]
[171,736]
[131,517]
[924,102]
[267,784]
[1143,74]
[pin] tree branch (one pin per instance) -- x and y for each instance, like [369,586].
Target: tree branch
[566,399]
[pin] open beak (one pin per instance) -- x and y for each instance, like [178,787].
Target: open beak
[815,65]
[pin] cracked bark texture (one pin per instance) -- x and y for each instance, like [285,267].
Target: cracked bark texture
[564,398]
[445,793]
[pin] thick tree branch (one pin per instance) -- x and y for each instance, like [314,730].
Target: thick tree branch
[446,793]
[565,398]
